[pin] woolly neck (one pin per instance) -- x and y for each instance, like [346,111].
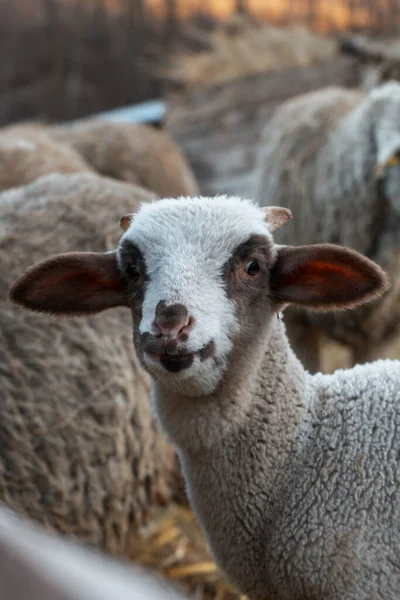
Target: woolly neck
[239,448]
[261,375]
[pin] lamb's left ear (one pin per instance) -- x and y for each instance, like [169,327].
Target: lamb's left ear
[125,221]
[75,283]
[325,277]
[276,216]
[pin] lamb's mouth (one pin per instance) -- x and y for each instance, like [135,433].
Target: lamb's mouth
[177,361]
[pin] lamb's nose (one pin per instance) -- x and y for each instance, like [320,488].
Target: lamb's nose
[172,319]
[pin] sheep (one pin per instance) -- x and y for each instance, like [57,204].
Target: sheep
[35,565]
[331,157]
[292,476]
[27,153]
[78,454]
[132,152]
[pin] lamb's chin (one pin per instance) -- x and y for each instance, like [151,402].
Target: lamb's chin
[201,379]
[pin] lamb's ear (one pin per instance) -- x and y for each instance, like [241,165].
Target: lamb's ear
[276,216]
[125,221]
[76,283]
[325,277]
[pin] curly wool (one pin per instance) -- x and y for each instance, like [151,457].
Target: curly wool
[305,469]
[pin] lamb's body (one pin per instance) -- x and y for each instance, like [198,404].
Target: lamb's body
[320,156]
[290,471]
[293,477]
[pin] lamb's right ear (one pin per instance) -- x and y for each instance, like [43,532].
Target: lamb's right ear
[76,283]
[325,277]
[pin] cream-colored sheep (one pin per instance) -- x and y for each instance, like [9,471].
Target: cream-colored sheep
[79,453]
[28,152]
[131,152]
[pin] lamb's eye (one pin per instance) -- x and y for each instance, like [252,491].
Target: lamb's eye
[252,268]
[133,270]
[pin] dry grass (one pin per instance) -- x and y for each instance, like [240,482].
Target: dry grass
[241,47]
[173,546]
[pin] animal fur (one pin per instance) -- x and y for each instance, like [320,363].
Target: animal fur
[79,452]
[325,156]
[131,152]
[27,153]
[293,477]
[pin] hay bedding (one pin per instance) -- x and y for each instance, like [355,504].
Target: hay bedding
[173,545]
[241,46]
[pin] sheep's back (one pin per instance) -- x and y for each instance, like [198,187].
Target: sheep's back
[131,152]
[27,153]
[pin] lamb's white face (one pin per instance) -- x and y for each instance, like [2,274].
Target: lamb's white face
[194,265]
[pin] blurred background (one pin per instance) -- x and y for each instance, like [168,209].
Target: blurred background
[218,70]
[63,59]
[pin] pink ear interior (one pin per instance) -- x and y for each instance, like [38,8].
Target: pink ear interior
[71,284]
[276,216]
[125,221]
[326,277]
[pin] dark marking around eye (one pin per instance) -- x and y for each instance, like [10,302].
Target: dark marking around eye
[133,270]
[256,248]
[132,261]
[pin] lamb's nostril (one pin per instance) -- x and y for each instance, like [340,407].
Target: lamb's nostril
[187,328]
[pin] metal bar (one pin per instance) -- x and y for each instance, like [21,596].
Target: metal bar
[146,112]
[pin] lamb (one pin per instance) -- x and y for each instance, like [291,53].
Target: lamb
[331,156]
[131,152]
[37,566]
[79,454]
[292,476]
[27,153]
